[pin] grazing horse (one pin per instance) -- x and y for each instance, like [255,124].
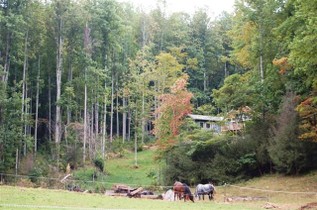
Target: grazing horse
[180,190]
[205,189]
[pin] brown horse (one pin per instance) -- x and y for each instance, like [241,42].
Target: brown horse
[182,190]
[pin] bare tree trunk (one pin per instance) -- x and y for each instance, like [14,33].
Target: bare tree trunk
[92,134]
[87,46]
[124,119]
[136,140]
[143,113]
[49,109]
[104,128]
[37,104]
[96,118]
[85,121]
[70,78]
[7,59]
[129,122]
[26,111]
[24,89]
[59,62]
[96,137]
[205,80]
[111,113]
[117,107]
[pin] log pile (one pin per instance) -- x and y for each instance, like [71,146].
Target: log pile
[125,190]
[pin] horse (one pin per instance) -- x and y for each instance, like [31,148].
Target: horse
[205,189]
[180,190]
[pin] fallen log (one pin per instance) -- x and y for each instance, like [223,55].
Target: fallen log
[152,197]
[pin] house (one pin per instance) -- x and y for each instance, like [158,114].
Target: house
[234,122]
[208,122]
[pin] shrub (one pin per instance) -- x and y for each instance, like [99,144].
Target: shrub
[99,163]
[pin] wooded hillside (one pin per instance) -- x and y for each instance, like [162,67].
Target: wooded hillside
[79,79]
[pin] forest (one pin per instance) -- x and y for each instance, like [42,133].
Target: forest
[82,79]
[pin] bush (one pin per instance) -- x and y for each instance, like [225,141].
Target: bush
[99,163]
[35,174]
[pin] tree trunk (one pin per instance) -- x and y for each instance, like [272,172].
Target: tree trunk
[7,58]
[104,128]
[92,134]
[124,119]
[26,111]
[111,112]
[59,62]
[136,141]
[37,104]
[117,107]
[24,89]
[85,121]
[205,81]
[129,122]
[49,109]
[70,78]
[143,113]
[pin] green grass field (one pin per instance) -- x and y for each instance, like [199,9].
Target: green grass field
[279,191]
[123,170]
[37,198]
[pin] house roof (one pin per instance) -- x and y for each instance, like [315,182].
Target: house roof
[205,117]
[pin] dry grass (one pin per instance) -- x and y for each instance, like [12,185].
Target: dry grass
[285,192]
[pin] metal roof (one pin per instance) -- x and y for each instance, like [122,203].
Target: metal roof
[205,117]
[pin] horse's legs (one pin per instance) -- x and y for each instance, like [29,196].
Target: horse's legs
[186,197]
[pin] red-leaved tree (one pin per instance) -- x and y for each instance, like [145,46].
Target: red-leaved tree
[173,108]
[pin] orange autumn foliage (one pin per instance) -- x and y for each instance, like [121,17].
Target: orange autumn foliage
[307,111]
[283,64]
[175,106]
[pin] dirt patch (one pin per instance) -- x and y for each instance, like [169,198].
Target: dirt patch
[245,198]
[309,206]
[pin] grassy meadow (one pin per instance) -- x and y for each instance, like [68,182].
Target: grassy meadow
[278,191]
[37,198]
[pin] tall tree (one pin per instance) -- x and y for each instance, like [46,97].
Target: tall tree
[174,107]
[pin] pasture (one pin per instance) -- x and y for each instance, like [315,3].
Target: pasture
[282,192]
[37,198]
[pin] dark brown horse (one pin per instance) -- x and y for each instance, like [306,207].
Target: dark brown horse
[182,190]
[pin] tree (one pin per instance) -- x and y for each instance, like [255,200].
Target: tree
[174,107]
[235,93]
[299,61]
[288,153]
[60,8]
[10,131]
[307,111]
